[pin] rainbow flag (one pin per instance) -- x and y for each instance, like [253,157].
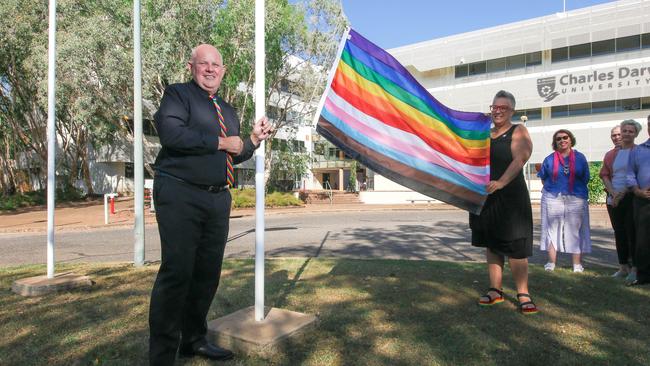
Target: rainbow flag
[375,111]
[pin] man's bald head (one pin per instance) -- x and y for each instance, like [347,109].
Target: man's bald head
[207,67]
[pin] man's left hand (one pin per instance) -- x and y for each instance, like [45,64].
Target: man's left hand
[261,130]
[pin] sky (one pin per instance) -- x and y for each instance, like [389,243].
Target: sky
[395,23]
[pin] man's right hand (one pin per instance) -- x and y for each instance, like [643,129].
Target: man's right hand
[231,144]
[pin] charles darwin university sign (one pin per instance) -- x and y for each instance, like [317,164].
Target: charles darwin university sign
[587,82]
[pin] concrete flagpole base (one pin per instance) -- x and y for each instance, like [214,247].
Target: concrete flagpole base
[240,332]
[41,285]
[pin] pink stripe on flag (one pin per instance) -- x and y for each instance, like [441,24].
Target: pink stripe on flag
[430,156]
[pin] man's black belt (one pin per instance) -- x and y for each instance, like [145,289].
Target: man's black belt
[209,188]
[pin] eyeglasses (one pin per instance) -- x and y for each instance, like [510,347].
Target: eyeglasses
[560,138]
[499,108]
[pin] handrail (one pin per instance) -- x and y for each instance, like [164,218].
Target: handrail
[328,189]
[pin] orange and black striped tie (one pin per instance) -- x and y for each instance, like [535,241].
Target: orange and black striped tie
[224,130]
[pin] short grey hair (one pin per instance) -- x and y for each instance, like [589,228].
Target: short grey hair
[507,95]
[613,128]
[631,122]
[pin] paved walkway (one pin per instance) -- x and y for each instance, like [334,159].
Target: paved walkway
[90,215]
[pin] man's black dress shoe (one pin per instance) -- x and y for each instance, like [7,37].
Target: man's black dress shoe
[207,350]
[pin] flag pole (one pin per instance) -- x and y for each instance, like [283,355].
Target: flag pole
[51,138]
[138,159]
[259,160]
[330,75]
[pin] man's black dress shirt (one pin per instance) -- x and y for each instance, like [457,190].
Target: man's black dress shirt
[189,131]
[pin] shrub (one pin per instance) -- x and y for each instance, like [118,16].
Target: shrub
[245,198]
[595,185]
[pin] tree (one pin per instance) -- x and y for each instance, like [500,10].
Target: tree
[95,63]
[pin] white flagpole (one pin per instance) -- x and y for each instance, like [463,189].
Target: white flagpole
[259,160]
[138,160]
[51,138]
[330,75]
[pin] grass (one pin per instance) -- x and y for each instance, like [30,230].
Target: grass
[374,312]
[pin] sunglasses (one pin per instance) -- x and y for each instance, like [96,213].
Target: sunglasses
[560,138]
[499,108]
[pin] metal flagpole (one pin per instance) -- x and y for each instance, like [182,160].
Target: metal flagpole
[138,161]
[259,161]
[51,138]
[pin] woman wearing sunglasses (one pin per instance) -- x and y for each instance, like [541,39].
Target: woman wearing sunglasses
[565,210]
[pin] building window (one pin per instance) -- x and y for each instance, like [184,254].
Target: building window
[603,47]
[628,104]
[477,68]
[496,65]
[515,62]
[629,43]
[559,54]
[607,106]
[534,58]
[645,103]
[461,71]
[559,111]
[579,51]
[531,114]
[580,109]
[645,40]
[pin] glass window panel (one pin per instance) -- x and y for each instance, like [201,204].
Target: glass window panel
[645,103]
[534,114]
[559,54]
[534,58]
[645,40]
[516,117]
[628,104]
[559,111]
[461,71]
[628,43]
[579,109]
[603,47]
[477,68]
[606,106]
[580,51]
[497,64]
[515,62]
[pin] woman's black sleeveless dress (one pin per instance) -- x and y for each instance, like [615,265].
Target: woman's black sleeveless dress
[505,224]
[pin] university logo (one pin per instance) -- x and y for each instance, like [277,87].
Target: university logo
[546,88]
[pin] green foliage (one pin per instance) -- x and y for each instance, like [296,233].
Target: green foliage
[352,180]
[595,185]
[288,166]
[37,198]
[245,198]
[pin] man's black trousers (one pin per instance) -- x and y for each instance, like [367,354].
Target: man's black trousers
[193,226]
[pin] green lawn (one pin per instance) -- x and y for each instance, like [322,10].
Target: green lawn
[375,312]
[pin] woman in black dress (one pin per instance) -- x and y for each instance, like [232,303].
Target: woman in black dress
[505,226]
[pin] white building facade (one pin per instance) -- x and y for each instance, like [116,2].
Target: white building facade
[585,70]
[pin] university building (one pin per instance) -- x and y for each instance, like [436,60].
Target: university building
[585,70]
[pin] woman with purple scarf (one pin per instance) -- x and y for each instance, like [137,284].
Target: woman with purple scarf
[565,210]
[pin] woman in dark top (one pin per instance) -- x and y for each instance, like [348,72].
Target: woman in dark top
[505,226]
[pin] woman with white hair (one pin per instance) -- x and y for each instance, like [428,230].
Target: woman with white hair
[621,213]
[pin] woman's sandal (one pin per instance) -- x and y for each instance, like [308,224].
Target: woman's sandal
[491,300]
[527,310]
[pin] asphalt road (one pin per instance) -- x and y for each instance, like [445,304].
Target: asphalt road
[415,235]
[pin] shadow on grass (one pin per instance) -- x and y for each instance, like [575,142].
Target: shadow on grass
[371,312]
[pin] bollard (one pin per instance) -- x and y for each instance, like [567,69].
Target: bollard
[107,197]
